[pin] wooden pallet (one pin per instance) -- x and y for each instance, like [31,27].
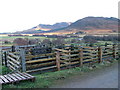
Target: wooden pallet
[15,78]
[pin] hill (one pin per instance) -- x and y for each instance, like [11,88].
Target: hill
[89,25]
[44,27]
[92,25]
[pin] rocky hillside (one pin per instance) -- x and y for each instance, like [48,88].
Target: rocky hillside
[89,23]
[54,26]
[44,27]
[92,24]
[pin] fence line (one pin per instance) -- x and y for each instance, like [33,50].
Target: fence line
[58,59]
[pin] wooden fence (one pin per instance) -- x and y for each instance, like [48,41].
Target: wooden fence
[58,59]
[14,60]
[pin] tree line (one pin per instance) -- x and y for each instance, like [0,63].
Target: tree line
[102,38]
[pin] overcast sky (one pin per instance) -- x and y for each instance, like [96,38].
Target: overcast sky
[17,15]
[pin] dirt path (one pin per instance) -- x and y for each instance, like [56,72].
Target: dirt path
[101,78]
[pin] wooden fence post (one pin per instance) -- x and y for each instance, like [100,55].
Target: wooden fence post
[58,60]
[114,51]
[100,54]
[23,61]
[2,58]
[69,58]
[13,48]
[81,57]
[5,57]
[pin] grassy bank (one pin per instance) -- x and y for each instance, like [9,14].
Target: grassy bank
[4,70]
[47,79]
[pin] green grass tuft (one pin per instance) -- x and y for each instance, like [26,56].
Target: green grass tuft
[47,79]
[5,70]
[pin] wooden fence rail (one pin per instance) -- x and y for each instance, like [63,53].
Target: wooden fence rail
[13,61]
[59,58]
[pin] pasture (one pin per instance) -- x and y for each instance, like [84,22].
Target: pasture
[12,38]
[69,60]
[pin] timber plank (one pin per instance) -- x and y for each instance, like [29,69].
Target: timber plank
[61,50]
[90,56]
[72,55]
[62,65]
[14,56]
[41,69]
[8,78]
[29,75]
[86,53]
[1,81]
[13,64]
[63,54]
[12,77]
[13,60]
[73,59]
[74,51]
[108,47]
[40,65]
[11,67]
[33,56]
[90,59]
[4,79]
[64,62]
[18,75]
[40,60]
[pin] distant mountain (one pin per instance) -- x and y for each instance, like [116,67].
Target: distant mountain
[95,23]
[88,25]
[44,27]
[54,26]
[92,23]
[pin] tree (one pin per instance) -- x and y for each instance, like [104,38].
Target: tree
[6,42]
[21,41]
[58,42]
[46,41]
[32,41]
[73,41]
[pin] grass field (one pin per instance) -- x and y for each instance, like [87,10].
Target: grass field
[14,37]
[47,79]
[103,43]
[11,39]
